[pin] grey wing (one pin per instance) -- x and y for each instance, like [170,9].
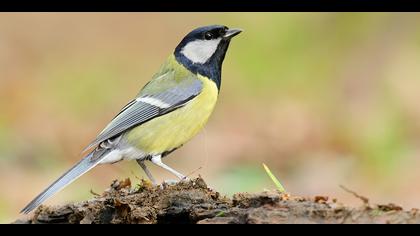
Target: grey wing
[149,106]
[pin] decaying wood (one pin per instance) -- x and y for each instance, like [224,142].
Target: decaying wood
[193,202]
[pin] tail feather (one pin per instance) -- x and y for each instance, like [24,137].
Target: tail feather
[71,175]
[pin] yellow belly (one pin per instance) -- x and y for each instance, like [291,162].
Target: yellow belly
[172,130]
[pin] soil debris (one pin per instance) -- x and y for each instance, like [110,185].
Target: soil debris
[192,202]
[321,199]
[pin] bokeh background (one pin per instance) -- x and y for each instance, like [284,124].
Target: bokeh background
[322,98]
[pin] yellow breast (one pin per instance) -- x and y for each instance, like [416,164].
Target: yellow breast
[172,130]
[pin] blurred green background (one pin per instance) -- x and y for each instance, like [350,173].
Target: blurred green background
[322,98]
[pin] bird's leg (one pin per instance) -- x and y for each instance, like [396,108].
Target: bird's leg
[149,175]
[157,160]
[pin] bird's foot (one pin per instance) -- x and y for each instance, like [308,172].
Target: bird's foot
[172,182]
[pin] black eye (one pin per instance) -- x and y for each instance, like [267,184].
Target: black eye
[208,35]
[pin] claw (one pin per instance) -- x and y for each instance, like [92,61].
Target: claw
[172,182]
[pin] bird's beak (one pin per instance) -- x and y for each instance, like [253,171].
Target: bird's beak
[231,33]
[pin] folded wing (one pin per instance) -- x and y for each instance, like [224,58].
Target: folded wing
[160,96]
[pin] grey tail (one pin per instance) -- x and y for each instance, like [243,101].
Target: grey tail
[83,166]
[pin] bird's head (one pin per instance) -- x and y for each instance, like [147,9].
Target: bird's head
[205,45]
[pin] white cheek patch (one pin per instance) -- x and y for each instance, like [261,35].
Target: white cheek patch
[199,51]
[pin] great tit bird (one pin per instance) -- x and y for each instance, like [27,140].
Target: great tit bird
[170,109]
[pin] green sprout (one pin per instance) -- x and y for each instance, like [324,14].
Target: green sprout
[279,186]
[221,214]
